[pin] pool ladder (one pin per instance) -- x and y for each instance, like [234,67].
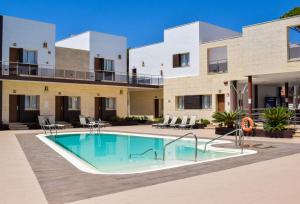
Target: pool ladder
[143,153]
[179,138]
[239,139]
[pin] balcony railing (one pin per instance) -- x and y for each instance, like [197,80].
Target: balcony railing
[294,52]
[50,72]
[217,66]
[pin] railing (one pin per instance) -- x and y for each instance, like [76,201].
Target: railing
[49,71]
[294,52]
[143,153]
[241,139]
[179,138]
[217,66]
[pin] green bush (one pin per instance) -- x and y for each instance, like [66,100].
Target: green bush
[276,119]
[204,122]
[226,119]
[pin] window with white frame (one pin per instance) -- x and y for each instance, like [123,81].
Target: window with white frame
[180,102]
[74,103]
[31,102]
[109,65]
[294,42]
[29,57]
[110,103]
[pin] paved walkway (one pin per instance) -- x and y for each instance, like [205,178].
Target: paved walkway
[273,181]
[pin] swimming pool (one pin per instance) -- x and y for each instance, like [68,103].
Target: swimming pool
[122,153]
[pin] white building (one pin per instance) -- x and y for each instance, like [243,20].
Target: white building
[103,48]
[27,42]
[179,54]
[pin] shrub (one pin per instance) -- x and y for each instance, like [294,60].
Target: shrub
[276,118]
[204,122]
[227,119]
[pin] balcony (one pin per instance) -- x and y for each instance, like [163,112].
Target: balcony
[47,73]
[294,52]
[218,66]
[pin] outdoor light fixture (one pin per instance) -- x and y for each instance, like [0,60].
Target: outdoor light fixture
[59,93]
[46,88]
[14,91]
[119,56]
[98,94]
[45,45]
[121,91]
[14,44]
[98,55]
[225,83]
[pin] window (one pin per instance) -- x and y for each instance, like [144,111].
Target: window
[29,57]
[294,42]
[181,60]
[74,103]
[110,103]
[109,65]
[180,102]
[31,102]
[217,60]
[206,102]
[193,102]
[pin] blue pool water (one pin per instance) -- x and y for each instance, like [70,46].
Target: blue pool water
[116,153]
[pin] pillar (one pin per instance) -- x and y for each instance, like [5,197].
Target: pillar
[286,94]
[234,96]
[295,97]
[249,95]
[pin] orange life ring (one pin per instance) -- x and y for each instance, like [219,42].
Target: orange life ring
[247,124]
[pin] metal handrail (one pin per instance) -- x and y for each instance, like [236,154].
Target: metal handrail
[190,133]
[141,154]
[241,135]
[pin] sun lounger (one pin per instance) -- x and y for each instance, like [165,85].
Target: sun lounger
[173,122]
[191,123]
[183,122]
[165,122]
[45,125]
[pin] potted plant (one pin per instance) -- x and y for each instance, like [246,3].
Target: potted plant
[203,123]
[276,121]
[226,121]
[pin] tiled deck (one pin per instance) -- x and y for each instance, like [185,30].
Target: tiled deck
[61,182]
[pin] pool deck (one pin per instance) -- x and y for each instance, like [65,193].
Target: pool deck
[269,177]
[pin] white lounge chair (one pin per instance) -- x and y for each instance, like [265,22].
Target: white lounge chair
[84,123]
[191,124]
[51,120]
[172,123]
[183,122]
[165,122]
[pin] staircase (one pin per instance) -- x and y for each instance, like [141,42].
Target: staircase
[18,126]
[66,124]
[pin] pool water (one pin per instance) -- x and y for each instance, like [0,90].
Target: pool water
[121,153]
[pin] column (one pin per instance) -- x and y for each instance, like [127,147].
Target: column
[286,92]
[234,96]
[249,95]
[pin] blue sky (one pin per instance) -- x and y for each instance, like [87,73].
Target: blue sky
[143,21]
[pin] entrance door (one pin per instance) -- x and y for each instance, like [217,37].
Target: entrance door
[98,108]
[221,102]
[59,108]
[156,108]
[14,108]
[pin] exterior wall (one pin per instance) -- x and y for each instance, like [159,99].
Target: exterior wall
[72,59]
[99,45]
[181,39]
[265,48]
[87,94]
[142,102]
[205,83]
[109,47]
[29,35]
[80,41]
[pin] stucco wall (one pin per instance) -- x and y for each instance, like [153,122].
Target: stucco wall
[142,102]
[72,59]
[29,35]
[47,99]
